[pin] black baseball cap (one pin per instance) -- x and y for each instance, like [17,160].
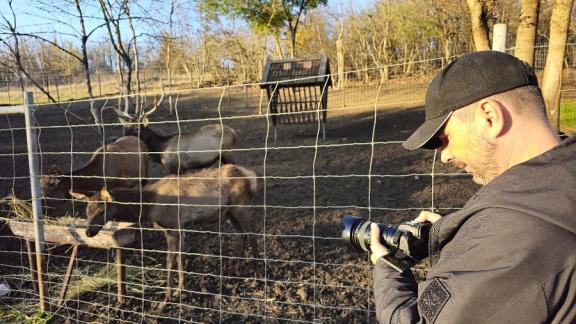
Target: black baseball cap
[466,80]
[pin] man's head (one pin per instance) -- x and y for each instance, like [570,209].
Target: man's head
[472,104]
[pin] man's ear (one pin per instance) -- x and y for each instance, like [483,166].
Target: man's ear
[491,117]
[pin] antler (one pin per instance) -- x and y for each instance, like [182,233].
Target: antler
[156,105]
[122,113]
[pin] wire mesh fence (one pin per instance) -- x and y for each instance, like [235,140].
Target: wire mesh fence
[291,193]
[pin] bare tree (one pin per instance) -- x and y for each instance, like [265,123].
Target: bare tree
[452,30]
[61,9]
[112,19]
[552,79]
[134,45]
[9,36]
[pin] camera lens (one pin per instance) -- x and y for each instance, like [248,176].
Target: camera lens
[357,233]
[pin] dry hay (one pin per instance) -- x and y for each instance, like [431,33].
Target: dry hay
[107,275]
[22,210]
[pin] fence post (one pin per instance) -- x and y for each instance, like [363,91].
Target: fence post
[35,190]
[499,40]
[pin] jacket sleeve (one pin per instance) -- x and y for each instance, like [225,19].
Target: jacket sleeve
[490,270]
[395,295]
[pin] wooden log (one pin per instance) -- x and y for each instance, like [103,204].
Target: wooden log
[112,235]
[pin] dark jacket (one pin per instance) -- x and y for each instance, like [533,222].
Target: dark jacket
[508,256]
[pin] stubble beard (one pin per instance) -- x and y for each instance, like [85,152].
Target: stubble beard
[485,168]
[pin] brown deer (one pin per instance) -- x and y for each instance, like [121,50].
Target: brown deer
[123,163]
[172,203]
[185,151]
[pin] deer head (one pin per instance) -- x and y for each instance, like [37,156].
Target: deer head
[132,123]
[98,211]
[49,183]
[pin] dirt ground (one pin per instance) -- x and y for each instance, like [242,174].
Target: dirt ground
[304,271]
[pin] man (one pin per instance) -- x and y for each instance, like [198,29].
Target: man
[509,255]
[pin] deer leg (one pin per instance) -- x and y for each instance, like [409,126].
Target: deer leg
[239,228]
[172,246]
[241,219]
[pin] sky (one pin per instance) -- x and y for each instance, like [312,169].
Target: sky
[30,18]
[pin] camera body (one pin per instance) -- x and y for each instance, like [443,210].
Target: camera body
[407,243]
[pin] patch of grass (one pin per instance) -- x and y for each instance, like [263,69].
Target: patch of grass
[21,314]
[568,117]
[89,281]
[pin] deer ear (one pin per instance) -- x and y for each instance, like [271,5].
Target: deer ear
[54,170]
[105,194]
[78,195]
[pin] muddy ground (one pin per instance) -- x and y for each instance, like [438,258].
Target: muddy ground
[303,271]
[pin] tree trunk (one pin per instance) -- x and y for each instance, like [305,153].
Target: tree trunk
[292,44]
[339,63]
[552,79]
[479,25]
[526,34]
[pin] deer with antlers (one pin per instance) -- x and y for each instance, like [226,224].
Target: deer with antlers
[183,151]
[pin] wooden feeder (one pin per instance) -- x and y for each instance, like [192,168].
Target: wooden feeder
[113,235]
[297,91]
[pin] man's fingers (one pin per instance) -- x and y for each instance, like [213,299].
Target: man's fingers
[378,250]
[374,233]
[427,216]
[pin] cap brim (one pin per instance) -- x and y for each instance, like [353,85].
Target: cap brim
[423,137]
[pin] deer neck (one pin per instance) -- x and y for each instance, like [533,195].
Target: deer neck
[76,181]
[88,177]
[131,210]
[156,143]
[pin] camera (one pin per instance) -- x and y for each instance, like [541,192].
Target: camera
[407,243]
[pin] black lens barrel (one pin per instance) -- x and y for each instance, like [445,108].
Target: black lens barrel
[357,233]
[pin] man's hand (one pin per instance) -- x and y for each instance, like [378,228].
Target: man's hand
[426,216]
[378,250]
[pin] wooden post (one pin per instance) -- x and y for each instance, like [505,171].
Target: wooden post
[30,250]
[31,140]
[57,80]
[120,275]
[9,99]
[68,273]
[76,88]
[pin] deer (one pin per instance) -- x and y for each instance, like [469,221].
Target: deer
[123,163]
[201,196]
[184,151]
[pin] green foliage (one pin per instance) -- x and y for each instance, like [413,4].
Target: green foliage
[568,117]
[260,15]
[13,315]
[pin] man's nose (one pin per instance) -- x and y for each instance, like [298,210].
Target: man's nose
[445,155]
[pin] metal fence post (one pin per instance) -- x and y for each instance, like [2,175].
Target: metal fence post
[35,190]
